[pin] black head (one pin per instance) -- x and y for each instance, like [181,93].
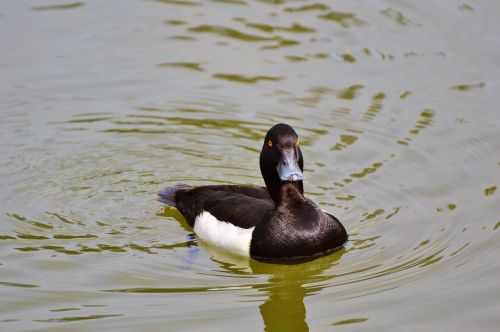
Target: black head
[281,160]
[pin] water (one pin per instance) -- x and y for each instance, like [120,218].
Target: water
[104,103]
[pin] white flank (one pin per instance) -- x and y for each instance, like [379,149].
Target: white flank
[235,240]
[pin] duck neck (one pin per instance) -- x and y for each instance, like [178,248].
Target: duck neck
[284,192]
[279,190]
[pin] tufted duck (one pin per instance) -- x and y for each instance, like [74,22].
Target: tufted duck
[275,223]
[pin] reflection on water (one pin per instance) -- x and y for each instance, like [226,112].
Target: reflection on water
[399,132]
[58,7]
[287,288]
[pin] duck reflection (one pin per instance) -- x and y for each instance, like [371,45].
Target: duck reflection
[284,310]
[287,287]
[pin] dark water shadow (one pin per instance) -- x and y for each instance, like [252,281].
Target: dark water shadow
[287,287]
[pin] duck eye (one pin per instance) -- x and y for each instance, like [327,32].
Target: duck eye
[270,143]
[297,142]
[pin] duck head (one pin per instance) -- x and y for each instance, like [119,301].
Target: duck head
[281,161]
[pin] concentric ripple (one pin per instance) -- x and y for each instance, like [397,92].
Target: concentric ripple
[397,109]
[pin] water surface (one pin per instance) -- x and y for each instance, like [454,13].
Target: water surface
[104,103]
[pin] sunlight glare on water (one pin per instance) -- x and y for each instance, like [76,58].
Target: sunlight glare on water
[102,104]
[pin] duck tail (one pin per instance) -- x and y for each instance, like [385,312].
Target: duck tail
[167,194]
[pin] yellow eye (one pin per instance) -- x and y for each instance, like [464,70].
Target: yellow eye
[297,142]
[270,143]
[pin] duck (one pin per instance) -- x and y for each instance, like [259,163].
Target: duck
[275,223]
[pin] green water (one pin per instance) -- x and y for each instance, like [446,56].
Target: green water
[103,103]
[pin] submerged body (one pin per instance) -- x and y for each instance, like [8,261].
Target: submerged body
[273,223]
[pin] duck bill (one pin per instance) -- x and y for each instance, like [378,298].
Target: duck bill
[288,169]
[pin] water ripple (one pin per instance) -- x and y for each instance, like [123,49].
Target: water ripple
[399,133]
